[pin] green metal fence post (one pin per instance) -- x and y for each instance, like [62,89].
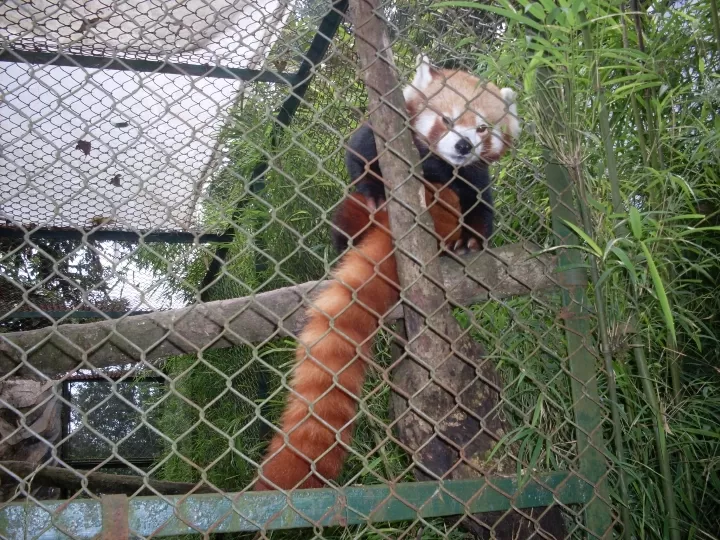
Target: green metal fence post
[581,355]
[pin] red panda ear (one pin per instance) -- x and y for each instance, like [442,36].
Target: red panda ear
[508,95]
[424,73]
[511,121]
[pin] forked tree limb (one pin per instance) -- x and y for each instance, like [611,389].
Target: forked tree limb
[507,271]
[446,403]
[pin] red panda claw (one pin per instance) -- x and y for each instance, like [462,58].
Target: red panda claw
[459,248]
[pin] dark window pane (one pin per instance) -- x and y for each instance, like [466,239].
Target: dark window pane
[101,416]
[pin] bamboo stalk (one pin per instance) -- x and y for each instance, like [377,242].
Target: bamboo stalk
[599,293]
[656,156]
[604,119]
[581,350]
[716,22]
[608,360]
[660,441]
[639,351]
[639,128]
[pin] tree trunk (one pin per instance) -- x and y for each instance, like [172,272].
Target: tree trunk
[30,422]
[447,401]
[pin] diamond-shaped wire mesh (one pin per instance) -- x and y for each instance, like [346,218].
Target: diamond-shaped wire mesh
[118,359]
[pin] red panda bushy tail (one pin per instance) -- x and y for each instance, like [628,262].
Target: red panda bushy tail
[317,423]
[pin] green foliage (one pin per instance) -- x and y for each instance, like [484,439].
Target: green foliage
[582,63]
[529,352]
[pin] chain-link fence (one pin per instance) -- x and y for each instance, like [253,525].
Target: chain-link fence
[170,172]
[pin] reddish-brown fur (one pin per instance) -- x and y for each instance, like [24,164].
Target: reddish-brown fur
[335,342]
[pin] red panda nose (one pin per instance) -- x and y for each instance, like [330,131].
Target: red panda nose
[463,147]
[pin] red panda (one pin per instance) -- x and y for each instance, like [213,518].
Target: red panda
[460,126]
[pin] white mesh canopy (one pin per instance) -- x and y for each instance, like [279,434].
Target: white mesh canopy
[86,146]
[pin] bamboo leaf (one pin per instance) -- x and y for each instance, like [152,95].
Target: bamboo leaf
[536,413]
[508,14]
[660,292]
[532,464]
[694,230]
[589,241]
[536,10]
[626,263]
[684,217]
[628,89]
[548,5]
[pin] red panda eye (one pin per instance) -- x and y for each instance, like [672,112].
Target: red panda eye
[447,121]
[481,129]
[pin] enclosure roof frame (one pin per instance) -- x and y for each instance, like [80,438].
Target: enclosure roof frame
[298,83]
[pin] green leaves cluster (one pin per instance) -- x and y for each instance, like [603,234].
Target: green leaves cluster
[627,101]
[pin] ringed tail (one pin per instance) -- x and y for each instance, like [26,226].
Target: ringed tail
[316,427]
[328,378]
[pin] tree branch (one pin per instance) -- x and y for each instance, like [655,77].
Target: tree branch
[97,482]
[438,379]
[507,271]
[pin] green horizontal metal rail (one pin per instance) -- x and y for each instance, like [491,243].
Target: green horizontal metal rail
[237,512]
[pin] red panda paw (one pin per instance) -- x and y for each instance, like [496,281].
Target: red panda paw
[467,245]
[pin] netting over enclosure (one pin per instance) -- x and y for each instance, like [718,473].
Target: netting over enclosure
[183,350]
[131,148]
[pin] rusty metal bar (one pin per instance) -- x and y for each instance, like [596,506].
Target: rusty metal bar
[115,513]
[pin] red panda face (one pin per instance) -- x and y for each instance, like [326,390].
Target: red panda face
[459,117]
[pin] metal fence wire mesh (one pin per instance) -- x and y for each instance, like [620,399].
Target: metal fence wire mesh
[169,174]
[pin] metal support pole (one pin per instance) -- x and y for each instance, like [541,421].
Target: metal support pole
[318,48]
[144,66]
